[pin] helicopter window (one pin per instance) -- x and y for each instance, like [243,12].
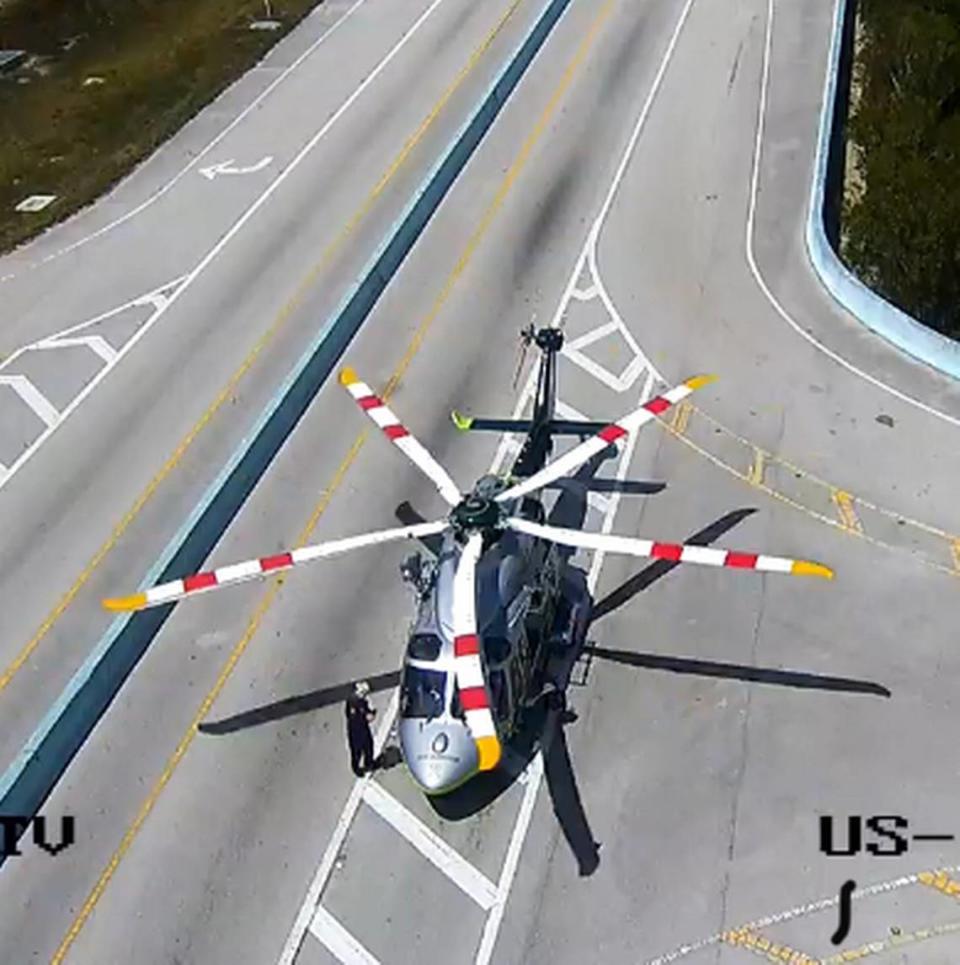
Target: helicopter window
[421,694]
[456,707]
[424,646]
[496,649]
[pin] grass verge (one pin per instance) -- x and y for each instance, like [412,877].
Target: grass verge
[902,224]
[105,83]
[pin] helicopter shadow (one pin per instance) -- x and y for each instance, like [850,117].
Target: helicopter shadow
[641,581]
[298,704]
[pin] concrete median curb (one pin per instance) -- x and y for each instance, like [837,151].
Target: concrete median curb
[35,771]
[877,314]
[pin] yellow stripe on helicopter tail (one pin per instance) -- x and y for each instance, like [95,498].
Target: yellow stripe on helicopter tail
[488,753]
[124,604]
[806,568]
[462,422]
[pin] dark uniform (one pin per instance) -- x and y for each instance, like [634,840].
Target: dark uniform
[359,737]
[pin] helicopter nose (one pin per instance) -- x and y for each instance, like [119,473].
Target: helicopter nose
[439,756]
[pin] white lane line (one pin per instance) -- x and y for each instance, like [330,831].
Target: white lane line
[314,892]
[534,774]
[752,261]
[195,273]
[33,397]
[460,871]
[197,157]
[339,942]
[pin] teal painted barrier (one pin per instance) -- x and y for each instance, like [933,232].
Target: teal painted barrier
[33,774]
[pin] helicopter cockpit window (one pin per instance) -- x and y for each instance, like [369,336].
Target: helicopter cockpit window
[421,694]
[424,646]
[496,649]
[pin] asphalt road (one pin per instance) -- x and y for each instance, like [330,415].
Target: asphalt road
[720,713]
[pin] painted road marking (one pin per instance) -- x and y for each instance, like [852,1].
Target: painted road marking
[158,297]
[894,941]
[848,514]
[226,167]
[34,398]
[460,871]
[757,467]
[770,950]
[160,192]
[238,225]
[96,343]
[955,554]
[161,298]
[681,417]
[311,902]
[268,598]
[751,257]
[941,881]
[799,911]
[338,941]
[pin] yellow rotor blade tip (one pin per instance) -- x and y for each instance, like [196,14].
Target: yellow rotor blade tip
[806,568]
[124,604]
[348,376]
[462,422]
[699,381]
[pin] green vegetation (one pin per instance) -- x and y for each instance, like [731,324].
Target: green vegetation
[108,81]
[902,228]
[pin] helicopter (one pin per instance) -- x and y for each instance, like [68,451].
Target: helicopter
[499,598]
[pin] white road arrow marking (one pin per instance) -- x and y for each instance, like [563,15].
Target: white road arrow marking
[226,167]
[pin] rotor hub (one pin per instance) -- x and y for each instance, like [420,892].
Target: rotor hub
[476,514]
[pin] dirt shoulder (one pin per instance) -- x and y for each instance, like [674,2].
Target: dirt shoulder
[105,82]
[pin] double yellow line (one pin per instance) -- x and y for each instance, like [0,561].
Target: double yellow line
[271,594]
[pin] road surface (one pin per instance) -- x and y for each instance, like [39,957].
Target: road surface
[647,186]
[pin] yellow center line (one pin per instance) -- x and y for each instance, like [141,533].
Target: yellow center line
[230,388]
[955,554]
[271,594]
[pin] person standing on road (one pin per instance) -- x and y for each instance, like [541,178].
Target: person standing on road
[359,738]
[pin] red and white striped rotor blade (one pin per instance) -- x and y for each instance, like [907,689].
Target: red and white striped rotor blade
[265,566]
[675,552]
[468,661]
[400,436]
[566,464]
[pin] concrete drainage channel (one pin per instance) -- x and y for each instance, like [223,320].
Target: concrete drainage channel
[33,774]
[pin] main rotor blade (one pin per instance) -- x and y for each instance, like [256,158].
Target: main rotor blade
[468,661]
[400,436]
[576,457]
[676,552]
[264,566]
